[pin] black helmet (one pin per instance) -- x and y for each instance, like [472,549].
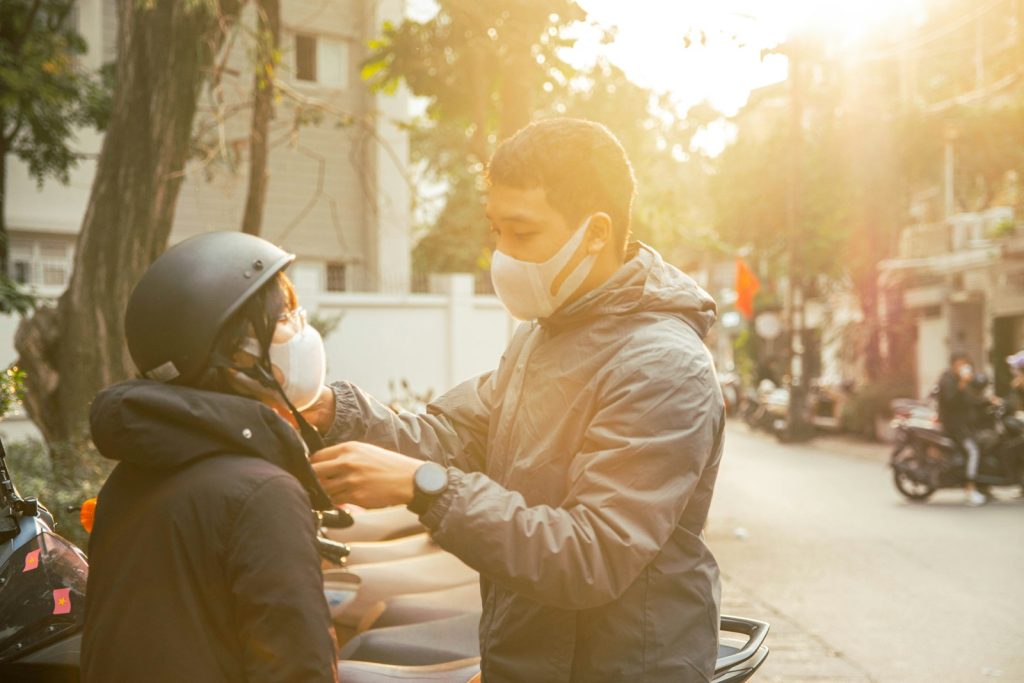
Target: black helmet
[183,300]
[979,381]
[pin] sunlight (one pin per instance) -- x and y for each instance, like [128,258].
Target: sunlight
[713,51]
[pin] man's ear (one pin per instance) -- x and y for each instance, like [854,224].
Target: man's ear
[599,232]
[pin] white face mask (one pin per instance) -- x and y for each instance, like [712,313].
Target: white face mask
[301,360]
[525,288]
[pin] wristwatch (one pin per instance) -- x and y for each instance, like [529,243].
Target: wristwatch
[429,482]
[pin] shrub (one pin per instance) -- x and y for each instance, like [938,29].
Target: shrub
[33,475]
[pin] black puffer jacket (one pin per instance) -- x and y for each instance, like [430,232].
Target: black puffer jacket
[202,561]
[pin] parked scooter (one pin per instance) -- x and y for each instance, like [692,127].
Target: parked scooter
[43,579]
[767,409]
[925,459]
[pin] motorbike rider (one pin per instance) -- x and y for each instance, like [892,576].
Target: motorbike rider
[957,410]
[576,477]
[1015,399]
[202,558]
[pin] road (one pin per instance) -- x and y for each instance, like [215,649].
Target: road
[860,585]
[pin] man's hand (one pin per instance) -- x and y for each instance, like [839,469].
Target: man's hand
[365,475]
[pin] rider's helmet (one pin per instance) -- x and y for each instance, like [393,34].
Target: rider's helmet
[183,302]
[979,382]
[1016,361]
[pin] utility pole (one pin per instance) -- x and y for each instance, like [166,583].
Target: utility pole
[949,171]
[798,429]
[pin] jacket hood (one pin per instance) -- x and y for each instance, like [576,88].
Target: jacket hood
[157,425]
[644,283]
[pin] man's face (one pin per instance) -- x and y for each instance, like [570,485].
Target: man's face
[526,227]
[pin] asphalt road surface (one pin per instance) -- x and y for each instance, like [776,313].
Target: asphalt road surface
[859,584]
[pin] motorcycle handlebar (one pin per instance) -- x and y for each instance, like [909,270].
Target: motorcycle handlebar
[336,519]
[755,630]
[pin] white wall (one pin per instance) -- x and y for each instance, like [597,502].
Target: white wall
[433,341]
[932,352]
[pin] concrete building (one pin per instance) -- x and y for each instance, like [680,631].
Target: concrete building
[960,283]
[338,196]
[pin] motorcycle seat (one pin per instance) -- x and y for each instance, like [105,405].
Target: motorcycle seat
[416,608]
[372,672]
[385,580]
[368,552]
[433,642]
[378,525]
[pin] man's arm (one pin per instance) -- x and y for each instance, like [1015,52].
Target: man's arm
[643,457]
[278,599]
[452,431]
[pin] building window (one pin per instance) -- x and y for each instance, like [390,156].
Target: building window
[336,277]
[41,262]
[321,60]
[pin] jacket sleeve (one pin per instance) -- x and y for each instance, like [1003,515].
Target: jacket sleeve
[644,452]
[277,588]
[452,431]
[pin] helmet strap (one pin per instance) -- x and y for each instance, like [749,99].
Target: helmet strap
[261,374]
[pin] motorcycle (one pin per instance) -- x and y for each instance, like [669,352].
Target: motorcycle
[414,637]
[767,409]
[925,459]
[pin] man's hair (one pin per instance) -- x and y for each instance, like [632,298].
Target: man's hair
[257,318]
[957,356]
[580,165]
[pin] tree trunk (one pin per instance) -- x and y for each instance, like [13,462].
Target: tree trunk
[69,352]
[269,22]
[4,240]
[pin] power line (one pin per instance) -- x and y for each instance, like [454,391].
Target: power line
[937,34]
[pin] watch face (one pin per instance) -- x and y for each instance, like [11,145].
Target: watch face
[431,478]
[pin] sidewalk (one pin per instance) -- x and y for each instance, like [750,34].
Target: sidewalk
[850,446]
[795,653]
[840,444]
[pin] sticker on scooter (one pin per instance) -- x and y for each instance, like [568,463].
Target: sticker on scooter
[31,561]
[62,601]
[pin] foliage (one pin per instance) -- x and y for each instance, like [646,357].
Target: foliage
[325,324]
[405,398]
[484,65]
[745,356]
[34,475]
[44,92]
[490,68]
[1004,228]
[12,389]
[14,299]
[44,96]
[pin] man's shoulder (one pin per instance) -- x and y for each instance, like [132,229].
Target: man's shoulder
[664,337]
[663,349]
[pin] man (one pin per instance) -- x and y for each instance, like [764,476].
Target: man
[956,412]
[1015,399]
[576,477]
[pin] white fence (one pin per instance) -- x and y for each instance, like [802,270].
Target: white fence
[432,341]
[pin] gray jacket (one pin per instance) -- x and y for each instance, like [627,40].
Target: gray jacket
[581,471]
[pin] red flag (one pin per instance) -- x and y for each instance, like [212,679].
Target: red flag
[62,601]
[31,561]
[747,286]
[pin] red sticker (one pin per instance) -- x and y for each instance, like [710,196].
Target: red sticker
[62,601]
[31,561]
